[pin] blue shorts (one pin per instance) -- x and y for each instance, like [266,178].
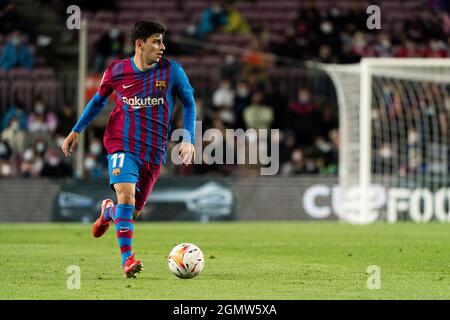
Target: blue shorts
[125,167]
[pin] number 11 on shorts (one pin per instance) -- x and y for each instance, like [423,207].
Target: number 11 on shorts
[121,157]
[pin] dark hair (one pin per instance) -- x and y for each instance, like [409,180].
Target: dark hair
[144,29]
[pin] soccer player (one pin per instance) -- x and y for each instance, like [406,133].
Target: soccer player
[137,131]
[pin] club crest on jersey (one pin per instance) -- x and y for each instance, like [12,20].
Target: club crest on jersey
[116,171]
[160,84]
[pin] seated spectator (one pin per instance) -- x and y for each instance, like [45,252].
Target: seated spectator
[14,136]
[16,53]
[304,117]
[223,99]
[383,47]
[296,165]
[31,165]
[53,166]
[40,120]
[236,23]
[407,49]
[242,99]
[109,46]
[256,62]
[230,68]
[212,18]
[67,117]
[94,161]
[435,49]
[257,115]
[15,111]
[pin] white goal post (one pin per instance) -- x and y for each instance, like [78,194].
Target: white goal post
[394,138]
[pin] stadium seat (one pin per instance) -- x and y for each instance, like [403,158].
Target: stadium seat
[105,16]
[44,73]
[19,74]
[4,94]
[22,90]
[49,91]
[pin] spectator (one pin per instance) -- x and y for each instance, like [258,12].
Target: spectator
[40,120]
[16,53]
[256,62]
[14,136]
[212,18]
[257,115]
[296,165]
[242,99]
[383,47]
[67,119]
[109,46]
[407,49]
[360,45]
[32,164]
[436,49]
[235,22]
[223,98]
[94,161]
[304,117]
[230,68]
[327,120]
[53,166]
[15,111]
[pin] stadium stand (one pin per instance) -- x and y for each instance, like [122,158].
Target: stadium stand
[268,60]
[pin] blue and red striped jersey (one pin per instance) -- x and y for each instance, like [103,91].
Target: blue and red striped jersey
[140,121]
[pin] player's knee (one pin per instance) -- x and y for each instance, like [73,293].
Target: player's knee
[125,197]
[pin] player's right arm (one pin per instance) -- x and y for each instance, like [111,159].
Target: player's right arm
[93,108]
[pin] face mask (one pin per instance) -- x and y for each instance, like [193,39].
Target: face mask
[15,41]
[40,147]
[229,59]
[6,170]
[15,125]
[54,161]
[215,9]
[114,33]
[326,27]
[89,164]
[335,12]
[303,99]
[323,146]
[242,91]
[297,156]
[39,108]
[96,149]
[386,43]
[28,155]
[385,152]
[413,137]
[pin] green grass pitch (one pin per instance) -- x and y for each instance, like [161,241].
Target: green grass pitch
[244,260]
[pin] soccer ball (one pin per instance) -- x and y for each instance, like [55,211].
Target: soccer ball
[186,260]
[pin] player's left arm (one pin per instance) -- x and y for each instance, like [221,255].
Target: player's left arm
[186,94]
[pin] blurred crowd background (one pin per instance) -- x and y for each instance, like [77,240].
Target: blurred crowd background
[245,59]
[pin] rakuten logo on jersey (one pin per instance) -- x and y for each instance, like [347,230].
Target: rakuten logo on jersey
[137,103]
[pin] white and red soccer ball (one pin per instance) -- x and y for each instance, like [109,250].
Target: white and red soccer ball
[186,260]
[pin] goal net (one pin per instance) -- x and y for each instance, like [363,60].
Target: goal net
[394,139]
